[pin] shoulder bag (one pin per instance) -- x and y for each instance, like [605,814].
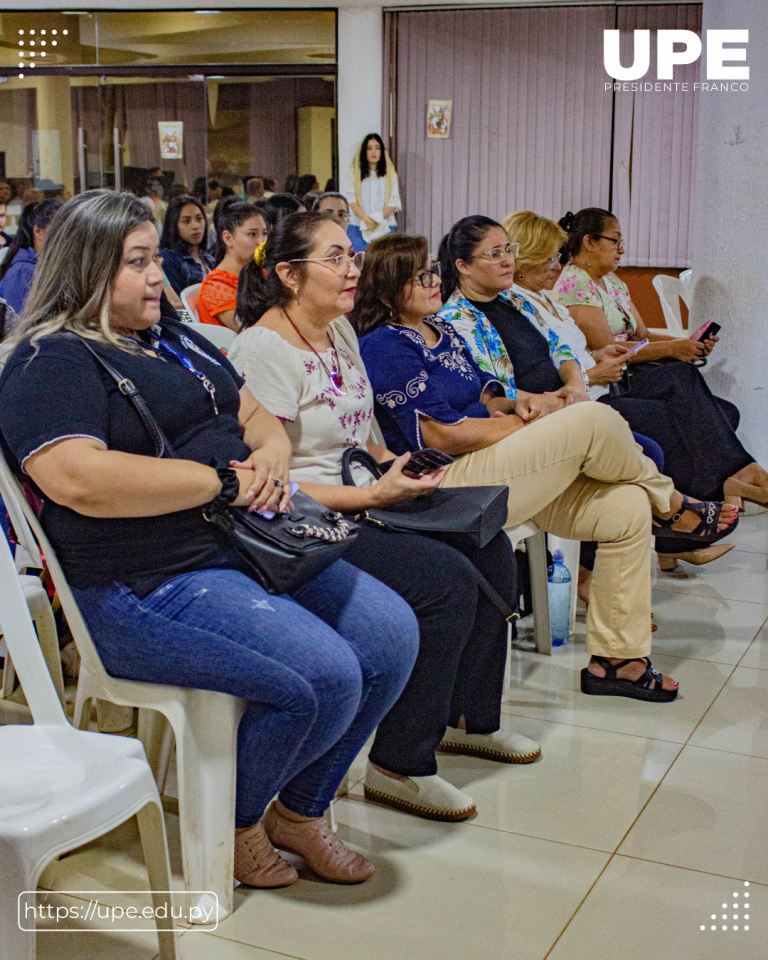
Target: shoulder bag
[282,553]
[458,515]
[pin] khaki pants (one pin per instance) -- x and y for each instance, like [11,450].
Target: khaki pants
[579,474]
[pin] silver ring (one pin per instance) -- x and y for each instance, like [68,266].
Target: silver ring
[624,368]
[277,481]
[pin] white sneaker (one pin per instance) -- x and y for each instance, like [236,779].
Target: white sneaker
[500,746]
[429,797]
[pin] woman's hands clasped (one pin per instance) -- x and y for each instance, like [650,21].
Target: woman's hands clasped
[264,479]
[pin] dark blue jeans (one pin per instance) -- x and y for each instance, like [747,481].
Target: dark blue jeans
[319,669]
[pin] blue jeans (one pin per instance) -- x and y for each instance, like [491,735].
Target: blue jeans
[356,237]
[319,669]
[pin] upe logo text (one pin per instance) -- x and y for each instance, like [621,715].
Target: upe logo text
[688,50]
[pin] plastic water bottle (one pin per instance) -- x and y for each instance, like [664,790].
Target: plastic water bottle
[559,600]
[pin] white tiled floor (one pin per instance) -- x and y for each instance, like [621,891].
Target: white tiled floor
[637,825]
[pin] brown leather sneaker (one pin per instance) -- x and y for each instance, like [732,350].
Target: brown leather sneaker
[315,842]
[257,863]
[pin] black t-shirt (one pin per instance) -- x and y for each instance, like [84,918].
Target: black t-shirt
[527,348]
[62,391]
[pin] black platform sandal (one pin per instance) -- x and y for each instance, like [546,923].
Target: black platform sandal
[705,532]
[647,687]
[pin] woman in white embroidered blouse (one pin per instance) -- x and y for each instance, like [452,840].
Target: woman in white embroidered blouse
[300,355]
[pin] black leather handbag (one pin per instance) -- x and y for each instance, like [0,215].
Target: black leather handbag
[473,515]
[458,515]
[282,553]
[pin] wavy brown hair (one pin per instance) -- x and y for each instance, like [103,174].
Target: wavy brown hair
[390,263]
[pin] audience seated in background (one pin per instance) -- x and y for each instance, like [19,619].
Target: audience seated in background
[184,242]
[372,192]
[291,182]
[165,599]
[241,229]
[305,183]
[153,197]
[215,193]
[696,430]
[574,469]
[5,238]
[308,200]
[280,205]
[270,185]
[254,188]
[18,266]
[335,205]
[6,191]
[294,335]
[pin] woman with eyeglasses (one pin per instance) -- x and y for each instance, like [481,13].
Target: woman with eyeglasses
[300,356]
[575,469]
[695,423]
[333,205]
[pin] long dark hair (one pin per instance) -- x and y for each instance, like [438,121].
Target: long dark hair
[171,239]
[459,244]
[259,287]
[33,215]
[277,206]
[390,262]
[381,166]
[589,222]
[232,213]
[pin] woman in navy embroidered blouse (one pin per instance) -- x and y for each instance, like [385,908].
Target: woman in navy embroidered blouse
[411,379]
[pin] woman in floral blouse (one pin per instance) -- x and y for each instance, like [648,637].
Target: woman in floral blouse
[601,307]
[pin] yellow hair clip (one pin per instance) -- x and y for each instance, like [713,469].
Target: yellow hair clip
[259,254]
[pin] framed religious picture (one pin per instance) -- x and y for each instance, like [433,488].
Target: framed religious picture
[439,118]
[171,140]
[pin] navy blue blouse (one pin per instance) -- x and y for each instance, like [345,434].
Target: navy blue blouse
[182,269]
[411,379]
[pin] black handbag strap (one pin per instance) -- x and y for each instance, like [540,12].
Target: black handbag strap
[358,455]
[162,444]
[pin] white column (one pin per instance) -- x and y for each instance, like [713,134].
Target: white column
[730,237]
[361,70]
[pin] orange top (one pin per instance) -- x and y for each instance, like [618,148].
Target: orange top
[218,294]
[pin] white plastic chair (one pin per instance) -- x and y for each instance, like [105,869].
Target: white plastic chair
[670,291]
[687,277]
[220,337]
[39,607]
[204,723]
[61,788]
[189,297]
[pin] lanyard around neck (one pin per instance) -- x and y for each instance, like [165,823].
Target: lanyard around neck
[165,349]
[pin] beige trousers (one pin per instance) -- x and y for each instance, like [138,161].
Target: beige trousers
[579,474]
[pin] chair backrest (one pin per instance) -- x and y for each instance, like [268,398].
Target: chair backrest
[11,492]
[670,290]
[189,297]
[687,277]
[219,336]
[24,647]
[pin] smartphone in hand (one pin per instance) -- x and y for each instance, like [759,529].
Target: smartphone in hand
[635,349]
[423,461]
[705,331]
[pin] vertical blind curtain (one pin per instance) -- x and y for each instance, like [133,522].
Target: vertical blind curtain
[531,125]
[655,146]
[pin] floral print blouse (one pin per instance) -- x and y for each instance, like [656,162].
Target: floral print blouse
[485,344]
[575,287]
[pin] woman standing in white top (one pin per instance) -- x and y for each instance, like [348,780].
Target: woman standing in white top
[373,193]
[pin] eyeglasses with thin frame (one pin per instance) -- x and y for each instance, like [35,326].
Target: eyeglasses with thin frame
[426,277]
[339,264]
[619,243]
[553,261]
[500,253]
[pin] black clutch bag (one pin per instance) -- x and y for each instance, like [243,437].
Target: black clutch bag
[282,553]
[472,515]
